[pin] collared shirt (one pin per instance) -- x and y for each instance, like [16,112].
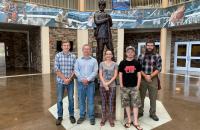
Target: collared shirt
[150,63]
[65,64]
[86,68]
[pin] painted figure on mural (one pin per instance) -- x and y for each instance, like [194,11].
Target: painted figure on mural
[102,32]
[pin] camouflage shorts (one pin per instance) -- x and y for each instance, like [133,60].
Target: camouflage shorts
[130,97]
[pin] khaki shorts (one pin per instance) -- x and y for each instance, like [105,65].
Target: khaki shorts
[130,97]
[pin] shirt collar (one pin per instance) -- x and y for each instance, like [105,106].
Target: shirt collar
[68,53]
[86,58]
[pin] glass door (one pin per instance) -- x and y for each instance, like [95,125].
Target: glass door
[194,54]
[2,59]
[181,59]
[187,56]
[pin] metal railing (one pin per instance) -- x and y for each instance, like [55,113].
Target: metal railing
[92,5]
[145,3]
[66,4]
[175,2]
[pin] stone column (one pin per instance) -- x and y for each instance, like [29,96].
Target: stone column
[82,5]
[82,38]
[45,55]
[165,49]
[165,3]
[120,55]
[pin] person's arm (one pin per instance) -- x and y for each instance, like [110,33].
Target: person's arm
[138,80]
[101,76]
[121,79]
[115,75]
[73,73]
[77,71]
[94,71]
[57,68]
[158,67]
[100,21]
[110,21]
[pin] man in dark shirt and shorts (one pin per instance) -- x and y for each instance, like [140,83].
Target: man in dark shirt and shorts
[130,78]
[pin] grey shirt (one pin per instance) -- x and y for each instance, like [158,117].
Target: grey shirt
[108,72]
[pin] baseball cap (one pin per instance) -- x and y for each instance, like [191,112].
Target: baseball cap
[130,47]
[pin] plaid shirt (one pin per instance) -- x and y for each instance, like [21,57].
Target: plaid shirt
[150,63]
[65,64]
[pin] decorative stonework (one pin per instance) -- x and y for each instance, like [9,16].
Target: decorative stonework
[60,34]
[92,41]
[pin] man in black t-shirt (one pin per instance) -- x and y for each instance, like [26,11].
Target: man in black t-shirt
[130,78]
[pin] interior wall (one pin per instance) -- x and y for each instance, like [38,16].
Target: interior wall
[16,48]
[35,49]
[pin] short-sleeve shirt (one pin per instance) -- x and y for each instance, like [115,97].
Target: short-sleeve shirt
[108,72]
[129,70]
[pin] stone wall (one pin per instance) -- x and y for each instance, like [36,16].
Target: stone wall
[177,36]
[60,34]
[93,43]
[134,38]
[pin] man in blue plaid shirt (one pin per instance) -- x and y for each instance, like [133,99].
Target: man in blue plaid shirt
[151,66]
[64,68]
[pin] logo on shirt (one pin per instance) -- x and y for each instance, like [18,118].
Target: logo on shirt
[130,69]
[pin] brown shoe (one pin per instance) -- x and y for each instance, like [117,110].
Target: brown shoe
[59,120]
[103,121]
[111,121]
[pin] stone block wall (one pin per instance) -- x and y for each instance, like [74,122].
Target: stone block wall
[60,34]
[134,38]
[93,43]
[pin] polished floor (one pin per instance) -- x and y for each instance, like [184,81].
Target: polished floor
[16,71]
[25,102]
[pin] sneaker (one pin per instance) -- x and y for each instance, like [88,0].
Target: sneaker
[92,121]
[72,119]
[154,117]
[59,120]
[80,120]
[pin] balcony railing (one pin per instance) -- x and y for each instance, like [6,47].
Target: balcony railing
[92,5]
[66,4]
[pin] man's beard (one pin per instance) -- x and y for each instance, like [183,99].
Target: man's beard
[149,51]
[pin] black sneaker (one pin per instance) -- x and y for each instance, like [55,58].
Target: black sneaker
[140,115]
[154,117]
[92,121]
[59,120]
[80,120]
[72,119]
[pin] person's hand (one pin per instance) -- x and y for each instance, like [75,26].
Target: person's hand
[148,78]
[67,81]
[85,81]
[138,88]
[107,88]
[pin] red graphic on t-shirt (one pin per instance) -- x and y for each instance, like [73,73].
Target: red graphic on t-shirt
[130,69]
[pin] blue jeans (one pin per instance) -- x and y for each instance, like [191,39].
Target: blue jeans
[83,92]
[60,92]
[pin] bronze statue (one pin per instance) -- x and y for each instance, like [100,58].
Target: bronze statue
[102,32]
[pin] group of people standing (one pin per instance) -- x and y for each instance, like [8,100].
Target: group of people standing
[136,76]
